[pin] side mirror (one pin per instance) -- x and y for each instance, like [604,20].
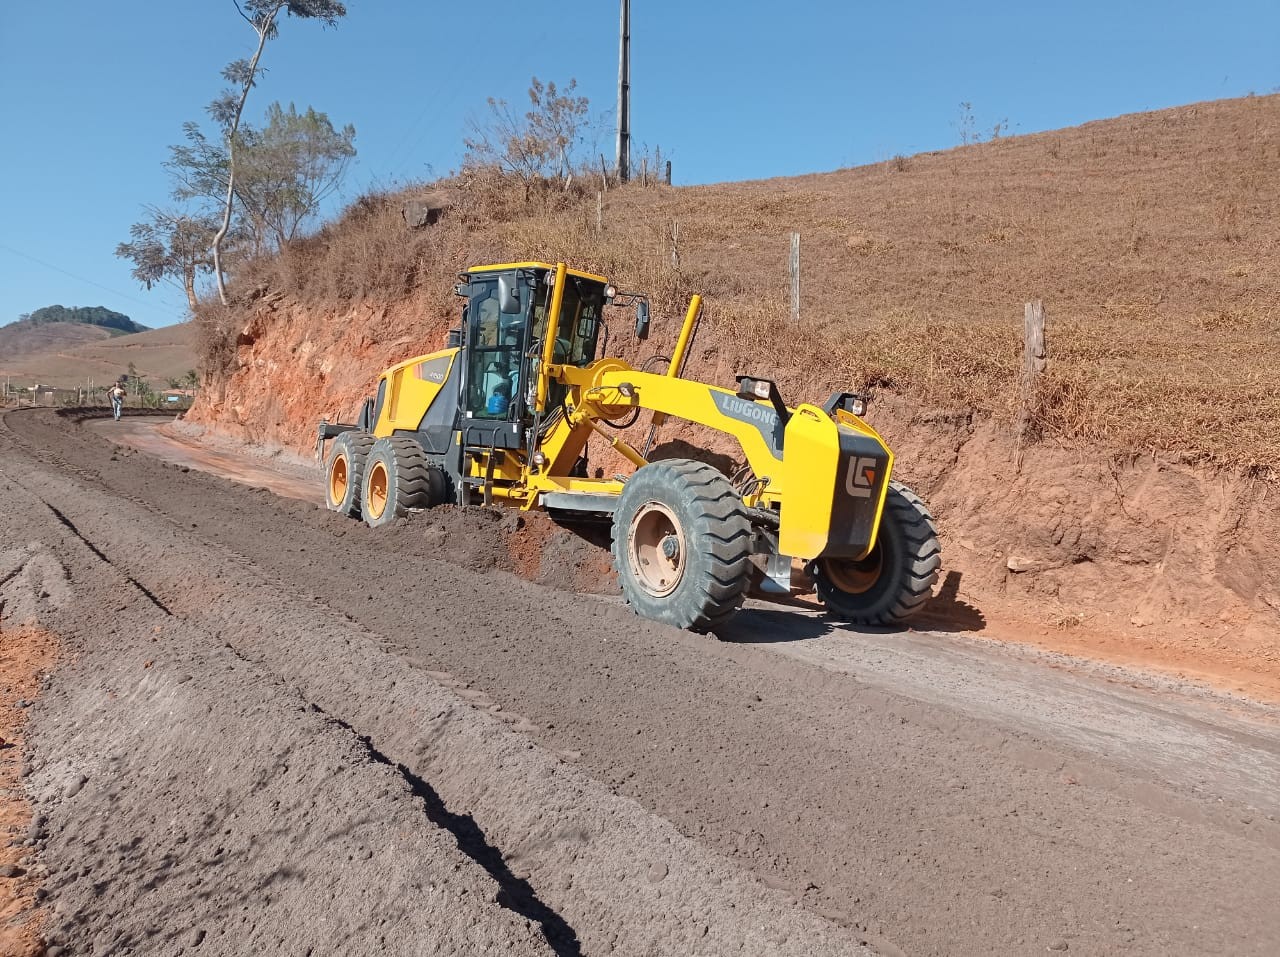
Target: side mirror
[642,320]
[508,296]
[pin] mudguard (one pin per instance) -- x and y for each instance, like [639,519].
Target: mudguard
[836,474]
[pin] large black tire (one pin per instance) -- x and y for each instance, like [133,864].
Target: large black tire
[397,477]
[895,580]
[682,544]
[344,472]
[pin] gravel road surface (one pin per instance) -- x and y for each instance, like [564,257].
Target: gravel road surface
[281,731]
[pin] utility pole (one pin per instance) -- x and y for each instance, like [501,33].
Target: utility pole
[624,93]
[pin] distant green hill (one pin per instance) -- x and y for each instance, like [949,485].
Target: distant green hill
[85,315]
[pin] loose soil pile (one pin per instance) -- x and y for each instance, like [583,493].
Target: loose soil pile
[570,557]
[299,689]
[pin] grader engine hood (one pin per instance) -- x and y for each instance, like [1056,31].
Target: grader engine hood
[835,479]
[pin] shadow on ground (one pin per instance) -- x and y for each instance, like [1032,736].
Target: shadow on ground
[945,612]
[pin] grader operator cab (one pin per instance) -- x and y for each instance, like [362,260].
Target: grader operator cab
[503,416]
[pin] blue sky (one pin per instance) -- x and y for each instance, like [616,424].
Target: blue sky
[91,93]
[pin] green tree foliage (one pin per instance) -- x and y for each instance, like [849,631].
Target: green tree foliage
[288,168]
[541,143]
[198,168]
[87,315]
[171,245]
[226,110]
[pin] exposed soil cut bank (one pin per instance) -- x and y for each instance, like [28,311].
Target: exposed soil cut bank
[27,654]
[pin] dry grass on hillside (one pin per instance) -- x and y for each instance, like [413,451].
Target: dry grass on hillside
[157,354]
[1150,238]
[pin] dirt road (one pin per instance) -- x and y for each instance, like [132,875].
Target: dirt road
[279,730]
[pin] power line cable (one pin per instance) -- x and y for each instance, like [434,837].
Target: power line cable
[114,292]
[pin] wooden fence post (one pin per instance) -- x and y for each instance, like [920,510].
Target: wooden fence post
[1035,361]
[599,213]
[793,268]
[668,172]
[675,245]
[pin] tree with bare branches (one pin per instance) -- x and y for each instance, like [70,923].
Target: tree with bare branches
[226,110]
[171,245]
[540,143]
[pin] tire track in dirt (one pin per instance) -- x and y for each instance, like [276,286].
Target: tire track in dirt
[189,801]
[894,814]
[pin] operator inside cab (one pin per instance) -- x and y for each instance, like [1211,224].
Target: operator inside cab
[504,349]
[495,357]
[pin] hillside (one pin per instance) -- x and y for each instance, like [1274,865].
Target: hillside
[68,360]
[27,338]
[89,315]
[1149,237]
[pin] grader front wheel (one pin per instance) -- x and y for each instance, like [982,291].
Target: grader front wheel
[682,544]
[894,581]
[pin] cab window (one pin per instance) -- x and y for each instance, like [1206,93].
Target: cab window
[494,352]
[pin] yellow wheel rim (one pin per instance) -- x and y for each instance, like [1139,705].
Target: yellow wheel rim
[854,576]
[376,496]
[338,478]
[657,545]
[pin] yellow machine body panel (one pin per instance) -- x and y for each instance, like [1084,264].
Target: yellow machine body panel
[406,391]
[838,472]
[829,476]
[604,384]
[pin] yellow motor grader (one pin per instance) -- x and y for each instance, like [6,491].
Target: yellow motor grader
[503,416]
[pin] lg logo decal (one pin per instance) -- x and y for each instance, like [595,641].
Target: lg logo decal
[861,477]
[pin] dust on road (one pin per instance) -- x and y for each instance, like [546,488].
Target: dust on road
[636,788]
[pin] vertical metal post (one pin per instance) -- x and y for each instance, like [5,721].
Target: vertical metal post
[793,264]
[624,92]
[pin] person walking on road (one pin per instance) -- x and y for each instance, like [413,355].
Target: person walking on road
[117,400]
